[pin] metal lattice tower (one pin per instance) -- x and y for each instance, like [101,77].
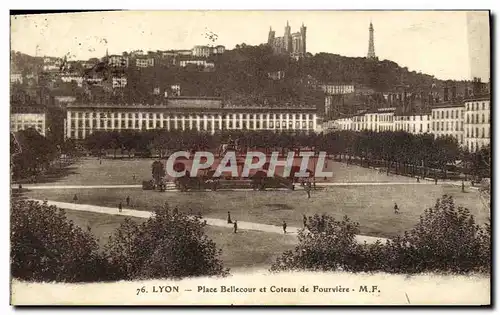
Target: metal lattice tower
[371,44]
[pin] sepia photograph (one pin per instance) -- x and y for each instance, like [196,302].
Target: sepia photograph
[250,158]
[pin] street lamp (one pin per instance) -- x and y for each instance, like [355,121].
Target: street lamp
[315,165]
[59,149]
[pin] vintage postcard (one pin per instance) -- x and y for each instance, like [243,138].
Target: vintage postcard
[250,158]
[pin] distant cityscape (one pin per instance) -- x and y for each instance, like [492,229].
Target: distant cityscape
[210,88]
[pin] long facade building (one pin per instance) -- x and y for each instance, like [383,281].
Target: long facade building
[477,127]
[468,123]
[448,120]
[22,121]
[24,117]
[207,114]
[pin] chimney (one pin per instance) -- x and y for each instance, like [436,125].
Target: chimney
[476,86]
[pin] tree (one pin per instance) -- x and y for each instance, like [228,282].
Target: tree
[130,139]
[45,246]
[326,245]
[446,239]
[115,141]
[447,151]
[36,153]
[168,245]
[98,141]
[481,162]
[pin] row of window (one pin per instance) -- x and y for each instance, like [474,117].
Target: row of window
[472,120]
[17,127]
[471,134]
[411,127]
[21,121]
[475,106]
[154,116]
[436,114]
[364,126]
[445,114]
[189,124]
[447,126]
[385,128]
[390,118]
[386,118]
[412,118]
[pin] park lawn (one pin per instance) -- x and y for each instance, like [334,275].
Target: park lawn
[370,206]
[244,250]
[88,171]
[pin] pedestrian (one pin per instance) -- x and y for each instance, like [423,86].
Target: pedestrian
[133,177]
[235,226]
[308,190]
[418,179]
[463,186]
[435,180]
[120,207]
[396,209]
[100,161]
[20,186]
[284,227]
[128,201]
[75,198]
[229,218]
[304,220]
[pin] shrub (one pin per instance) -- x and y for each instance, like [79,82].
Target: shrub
[446,239]
[45,246]
[326,245]
[168,245]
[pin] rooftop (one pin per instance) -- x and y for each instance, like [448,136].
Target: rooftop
[447,105]
[27,109]
[484,97]
[197,108]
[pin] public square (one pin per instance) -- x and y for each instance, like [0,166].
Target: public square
[364,195]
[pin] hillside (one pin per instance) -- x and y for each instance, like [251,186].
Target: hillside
[244,76]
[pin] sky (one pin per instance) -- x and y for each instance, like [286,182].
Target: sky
[432,42]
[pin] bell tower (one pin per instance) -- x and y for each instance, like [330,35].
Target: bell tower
[287,39]
[303,47]
[270,38]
